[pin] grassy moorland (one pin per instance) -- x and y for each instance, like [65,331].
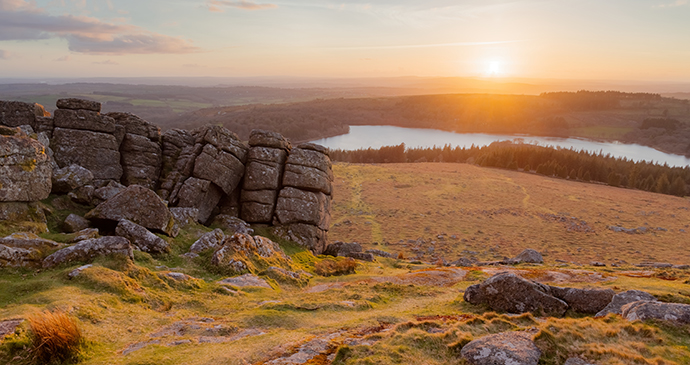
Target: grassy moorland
[391,311]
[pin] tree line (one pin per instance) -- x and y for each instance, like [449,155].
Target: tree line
[548,161]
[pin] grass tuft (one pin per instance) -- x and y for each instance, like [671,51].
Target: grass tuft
[56,337]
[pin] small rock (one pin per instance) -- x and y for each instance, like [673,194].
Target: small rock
[141,237]
[232,224]
[71,177]
[74,223]
[529,256]
[506,348]
[84,234]
[245,280]
[89,249]
[185,216]
[597,263]
[210,240]
[76,272]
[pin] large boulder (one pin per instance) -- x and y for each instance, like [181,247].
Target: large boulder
[95,151]
[344,249]
[135,125]
[16,113]
[508,292]
[676,313]
[621,299]
[139,205]
[76,104]
[299,206]
[589,301]
[87,250]
[262,138]
[28,241]
[200,194]
[141,237]
[83,119]
[506,348]
[25,170]
[71,177]
[220,167]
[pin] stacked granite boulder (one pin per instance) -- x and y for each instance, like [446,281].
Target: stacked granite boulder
[84,137]
[304,203]
[17,113]
[264,175]
[201,167]
[140,151]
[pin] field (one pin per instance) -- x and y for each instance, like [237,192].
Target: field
[442,210]
[391,311]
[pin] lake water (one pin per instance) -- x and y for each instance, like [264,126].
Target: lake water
[378,136]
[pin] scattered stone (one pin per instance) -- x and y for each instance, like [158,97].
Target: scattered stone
[463,262]
[656,265]
[110,190]
[83,195]
[74,223]
[339,248]
[529,256]
[76,272]
[245,280]
[621,299]
[141,237]
[85,234]
[139,205]
[29,241]
[363,256]
[71,177]
[597,263]
[8,327]
[676,313]
[506,348]
[89,249]
[210,240]
[18,257]
[380,253]
[307,351]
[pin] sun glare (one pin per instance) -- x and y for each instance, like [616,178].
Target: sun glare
[493,68]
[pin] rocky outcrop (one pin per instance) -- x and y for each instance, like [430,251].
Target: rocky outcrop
[139,205]
[25,170]
[178,154]
[17,113]
[85,251]
[502,348]
[621,299]
[263,178]
[96,151]
[675,313]
[141,237]
[199,194]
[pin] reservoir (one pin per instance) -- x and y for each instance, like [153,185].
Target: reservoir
[370,136]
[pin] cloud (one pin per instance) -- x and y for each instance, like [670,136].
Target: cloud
[22,20]
[106,62]
[216,5]
[433,45]
[5,55]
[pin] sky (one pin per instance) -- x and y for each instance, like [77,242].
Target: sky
[647,40]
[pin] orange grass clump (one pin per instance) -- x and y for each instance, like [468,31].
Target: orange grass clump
[330,267]
[56,336]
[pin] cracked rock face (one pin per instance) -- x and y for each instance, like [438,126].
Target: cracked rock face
[25,170]
[506,348]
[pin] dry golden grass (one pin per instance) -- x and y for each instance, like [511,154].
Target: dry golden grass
[56,336]
[499,213]
[330,267]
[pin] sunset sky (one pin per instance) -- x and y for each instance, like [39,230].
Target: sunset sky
[567,39]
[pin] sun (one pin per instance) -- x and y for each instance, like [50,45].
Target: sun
[493,68]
